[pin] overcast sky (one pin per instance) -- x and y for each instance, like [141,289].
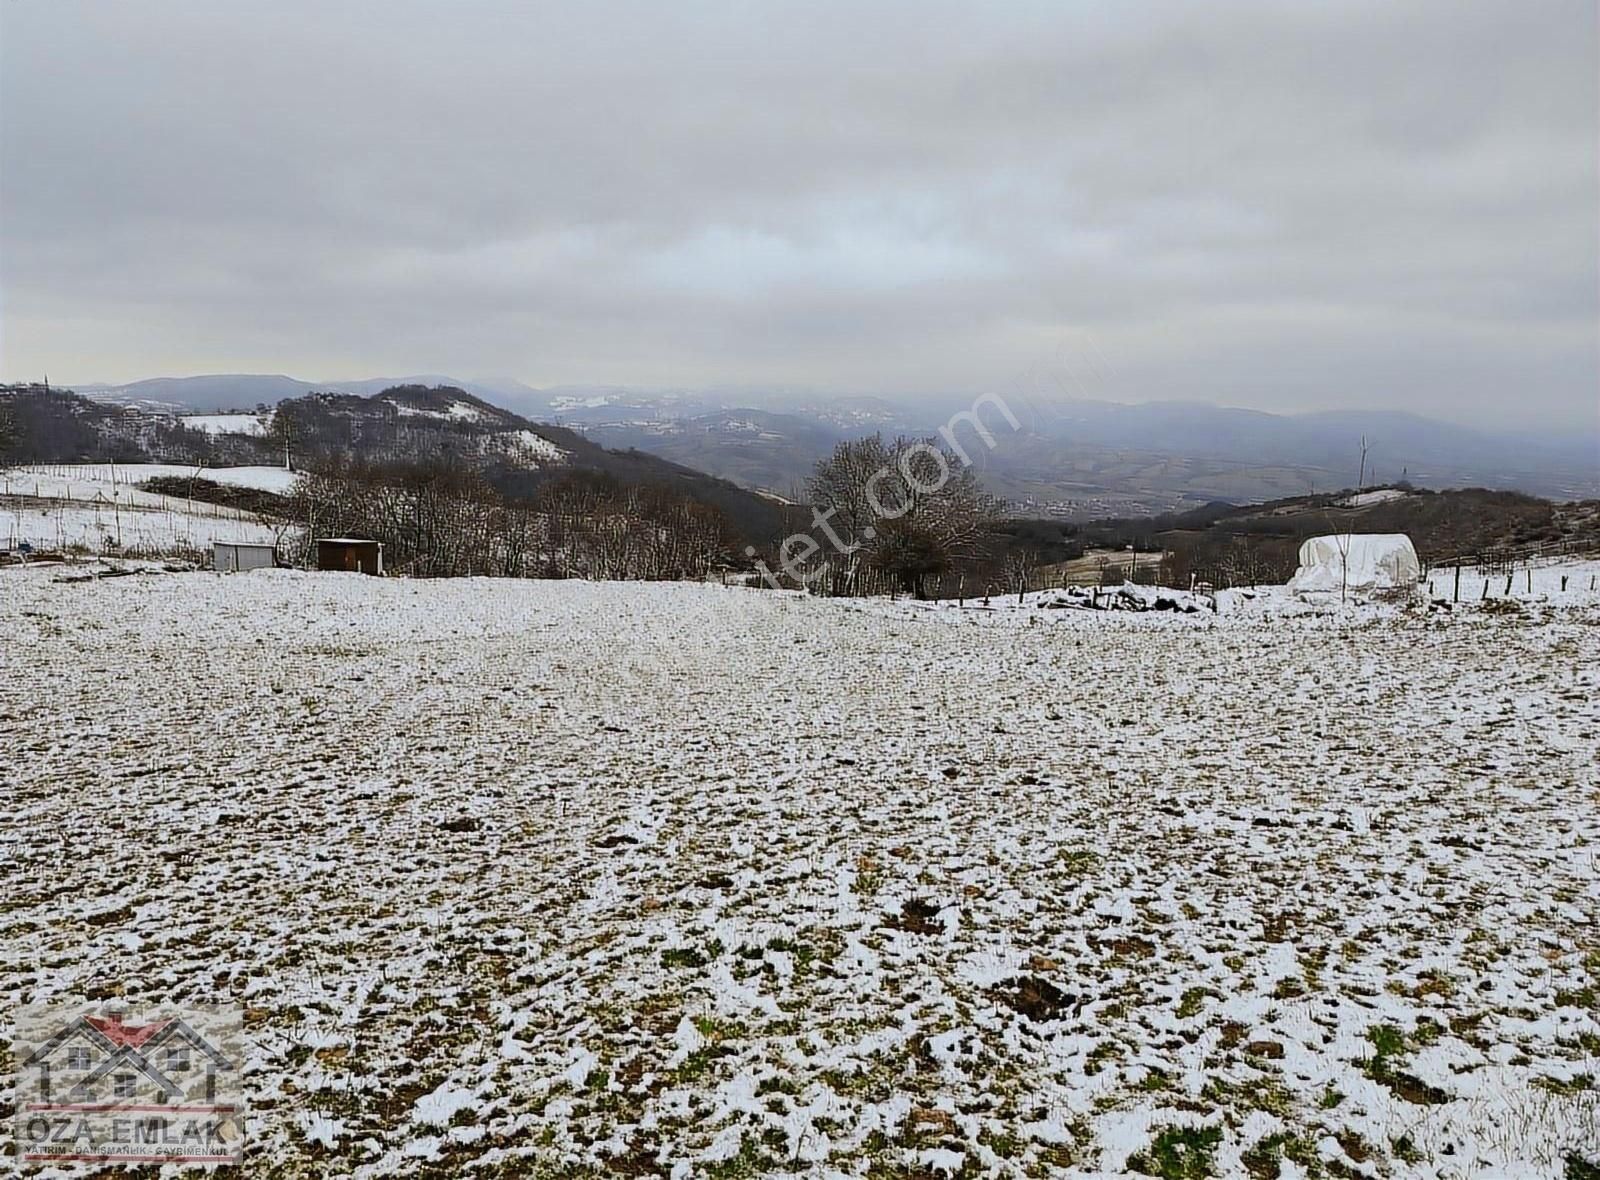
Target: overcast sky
[1287,206]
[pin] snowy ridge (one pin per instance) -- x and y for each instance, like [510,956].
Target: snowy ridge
[457,411]
[537,449]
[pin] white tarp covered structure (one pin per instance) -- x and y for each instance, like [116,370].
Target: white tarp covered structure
[1356,562]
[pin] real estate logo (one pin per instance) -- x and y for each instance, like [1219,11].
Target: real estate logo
[104,1085]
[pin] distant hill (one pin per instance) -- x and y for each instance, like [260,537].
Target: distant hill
[426,422]
[1085,459]
[1420,449]
[203,395]
[756,448]
[214,392]
[411,422]
[406,422]
[58,426]
[1074,460]
[1442,525]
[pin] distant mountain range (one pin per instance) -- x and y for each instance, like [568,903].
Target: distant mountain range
[245,391]
[1076,459]
[401,423]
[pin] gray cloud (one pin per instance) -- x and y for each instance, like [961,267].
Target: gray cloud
[1277,205]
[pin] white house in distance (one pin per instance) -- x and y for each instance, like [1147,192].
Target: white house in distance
[1356,563]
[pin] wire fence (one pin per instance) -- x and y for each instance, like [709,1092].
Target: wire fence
[1507,559]
[100,508]
[30,483]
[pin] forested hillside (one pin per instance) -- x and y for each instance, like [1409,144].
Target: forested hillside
[387,437]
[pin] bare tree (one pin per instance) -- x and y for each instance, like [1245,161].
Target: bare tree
[282,434]
[906,511]
[841,487]
[1342,541]
[1021,562]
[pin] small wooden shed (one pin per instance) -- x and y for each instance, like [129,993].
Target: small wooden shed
[234,556]
[350,554]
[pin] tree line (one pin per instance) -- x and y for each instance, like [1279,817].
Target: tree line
[439,519]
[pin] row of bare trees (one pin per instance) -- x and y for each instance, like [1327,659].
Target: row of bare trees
[443,520]
[1229,560]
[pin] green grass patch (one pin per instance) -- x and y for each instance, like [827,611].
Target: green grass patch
[1180,1153]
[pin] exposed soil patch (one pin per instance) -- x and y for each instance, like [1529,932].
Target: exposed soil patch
[1035,998]
[918,916]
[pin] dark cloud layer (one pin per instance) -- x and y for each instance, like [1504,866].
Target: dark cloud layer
[1279,205]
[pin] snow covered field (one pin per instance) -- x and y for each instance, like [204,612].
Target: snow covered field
[99,506]
[81,479]
[1561,581]
[1566,582]
[145,530]
[255,425]
[557,878]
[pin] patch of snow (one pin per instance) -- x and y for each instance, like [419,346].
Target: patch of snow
[321,1129]
[539,448]
[457,411]
[437,1108]
[254,425]
[87,479]
[61,505]
[59,524]
[1377,496]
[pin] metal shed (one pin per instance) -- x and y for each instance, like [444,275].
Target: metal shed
[351,554]
[233,556]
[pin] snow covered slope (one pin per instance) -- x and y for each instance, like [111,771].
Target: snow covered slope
[254,425]
[117,476]
[560,878]
[146,530]
[99,506]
